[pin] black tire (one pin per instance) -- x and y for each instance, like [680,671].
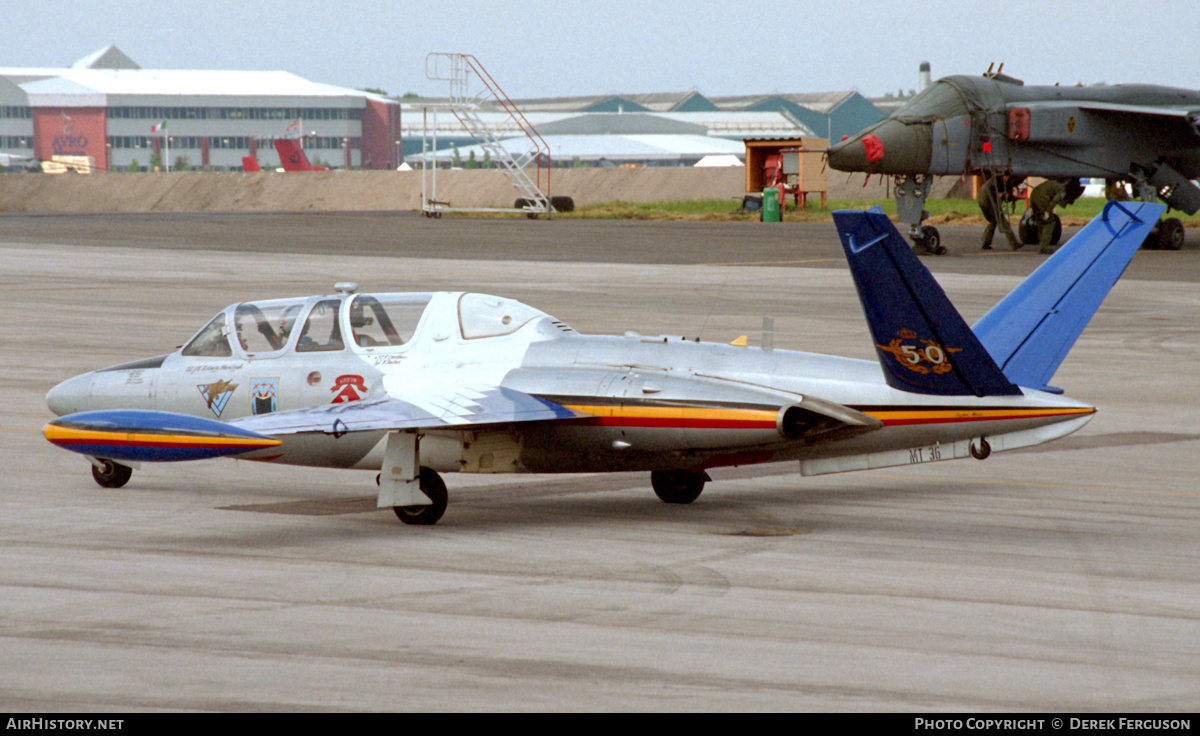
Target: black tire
[982,451]
[678,486]
[1171,234]
[111,475]
[932,240]
[562,203]
[1027,229]
[433,486]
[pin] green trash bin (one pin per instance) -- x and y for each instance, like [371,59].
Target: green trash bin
[770,208]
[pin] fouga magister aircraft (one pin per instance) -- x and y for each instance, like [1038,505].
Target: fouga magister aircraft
[1145,135]
[414,385]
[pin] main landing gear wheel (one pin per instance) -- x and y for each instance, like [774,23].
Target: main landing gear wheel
[1170,234]
[931,240]
[111,475]
[1027,229]
[433,486]
[678,486]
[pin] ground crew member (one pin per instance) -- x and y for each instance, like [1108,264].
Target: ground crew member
[1042,200]
[992,195]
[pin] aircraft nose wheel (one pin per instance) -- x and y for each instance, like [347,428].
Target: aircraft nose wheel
[931,240]
[433,486]
[111,475]
[981,451]
[678,486]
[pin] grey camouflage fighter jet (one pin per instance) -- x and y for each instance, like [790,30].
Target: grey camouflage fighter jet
[1145,135]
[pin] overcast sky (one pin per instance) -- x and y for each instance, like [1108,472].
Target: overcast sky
[576,47]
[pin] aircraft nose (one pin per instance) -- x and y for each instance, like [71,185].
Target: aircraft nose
[891,147]
[69,396]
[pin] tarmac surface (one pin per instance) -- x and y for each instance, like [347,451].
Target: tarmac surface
[1064,577]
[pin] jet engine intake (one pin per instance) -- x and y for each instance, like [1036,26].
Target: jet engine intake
[1175,189]
[798,423]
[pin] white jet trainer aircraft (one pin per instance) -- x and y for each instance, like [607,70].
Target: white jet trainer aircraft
[414,385]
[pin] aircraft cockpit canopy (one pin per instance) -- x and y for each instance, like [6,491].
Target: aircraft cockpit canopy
[481,315]
[266,327]
[332,323]
[386,320]
[939,101]
[311,324]
[212,341]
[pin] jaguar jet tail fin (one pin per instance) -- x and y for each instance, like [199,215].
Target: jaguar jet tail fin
[924,345]
[1030,331]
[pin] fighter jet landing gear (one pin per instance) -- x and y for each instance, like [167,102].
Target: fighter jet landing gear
[911,192]
[927,237]
[1166,184]
[1027,229]
[678,486]
[433,486]
[108,474]
[1168,234]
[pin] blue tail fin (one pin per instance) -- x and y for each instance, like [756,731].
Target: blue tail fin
[1030,331]
[924,344]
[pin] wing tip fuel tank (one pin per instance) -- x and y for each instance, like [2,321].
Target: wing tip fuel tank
[151,436]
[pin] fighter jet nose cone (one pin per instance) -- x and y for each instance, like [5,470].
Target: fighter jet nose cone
[891,147]
[860,153]
[67,397]
[847,155]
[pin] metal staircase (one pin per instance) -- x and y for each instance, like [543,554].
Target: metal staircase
[528,170]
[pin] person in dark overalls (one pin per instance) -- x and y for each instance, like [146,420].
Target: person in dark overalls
[1044,198]
[992,195]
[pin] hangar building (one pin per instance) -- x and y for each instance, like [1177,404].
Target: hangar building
[107,107]
[666,128]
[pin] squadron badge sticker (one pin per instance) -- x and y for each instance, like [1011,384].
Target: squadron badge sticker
[264,394]
[217,394]
[926,356]
[348,388]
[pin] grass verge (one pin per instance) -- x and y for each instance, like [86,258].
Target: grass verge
[941,211]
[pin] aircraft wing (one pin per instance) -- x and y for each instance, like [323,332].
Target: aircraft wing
[463,407]
[1155,110]
[1184,119]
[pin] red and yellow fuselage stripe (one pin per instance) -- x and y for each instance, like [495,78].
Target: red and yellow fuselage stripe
[691,417]
[913,415]
[718,417]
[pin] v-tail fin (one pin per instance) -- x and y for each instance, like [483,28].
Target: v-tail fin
[1030,331]
[924,345]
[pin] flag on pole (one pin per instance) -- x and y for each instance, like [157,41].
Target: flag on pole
[158,128]
[294,126]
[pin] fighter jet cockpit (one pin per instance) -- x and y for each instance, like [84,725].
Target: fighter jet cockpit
[385,320]
[309,324]
[481,315]
[939,101]
[359,322]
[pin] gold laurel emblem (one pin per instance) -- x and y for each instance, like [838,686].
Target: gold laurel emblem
[929,357]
